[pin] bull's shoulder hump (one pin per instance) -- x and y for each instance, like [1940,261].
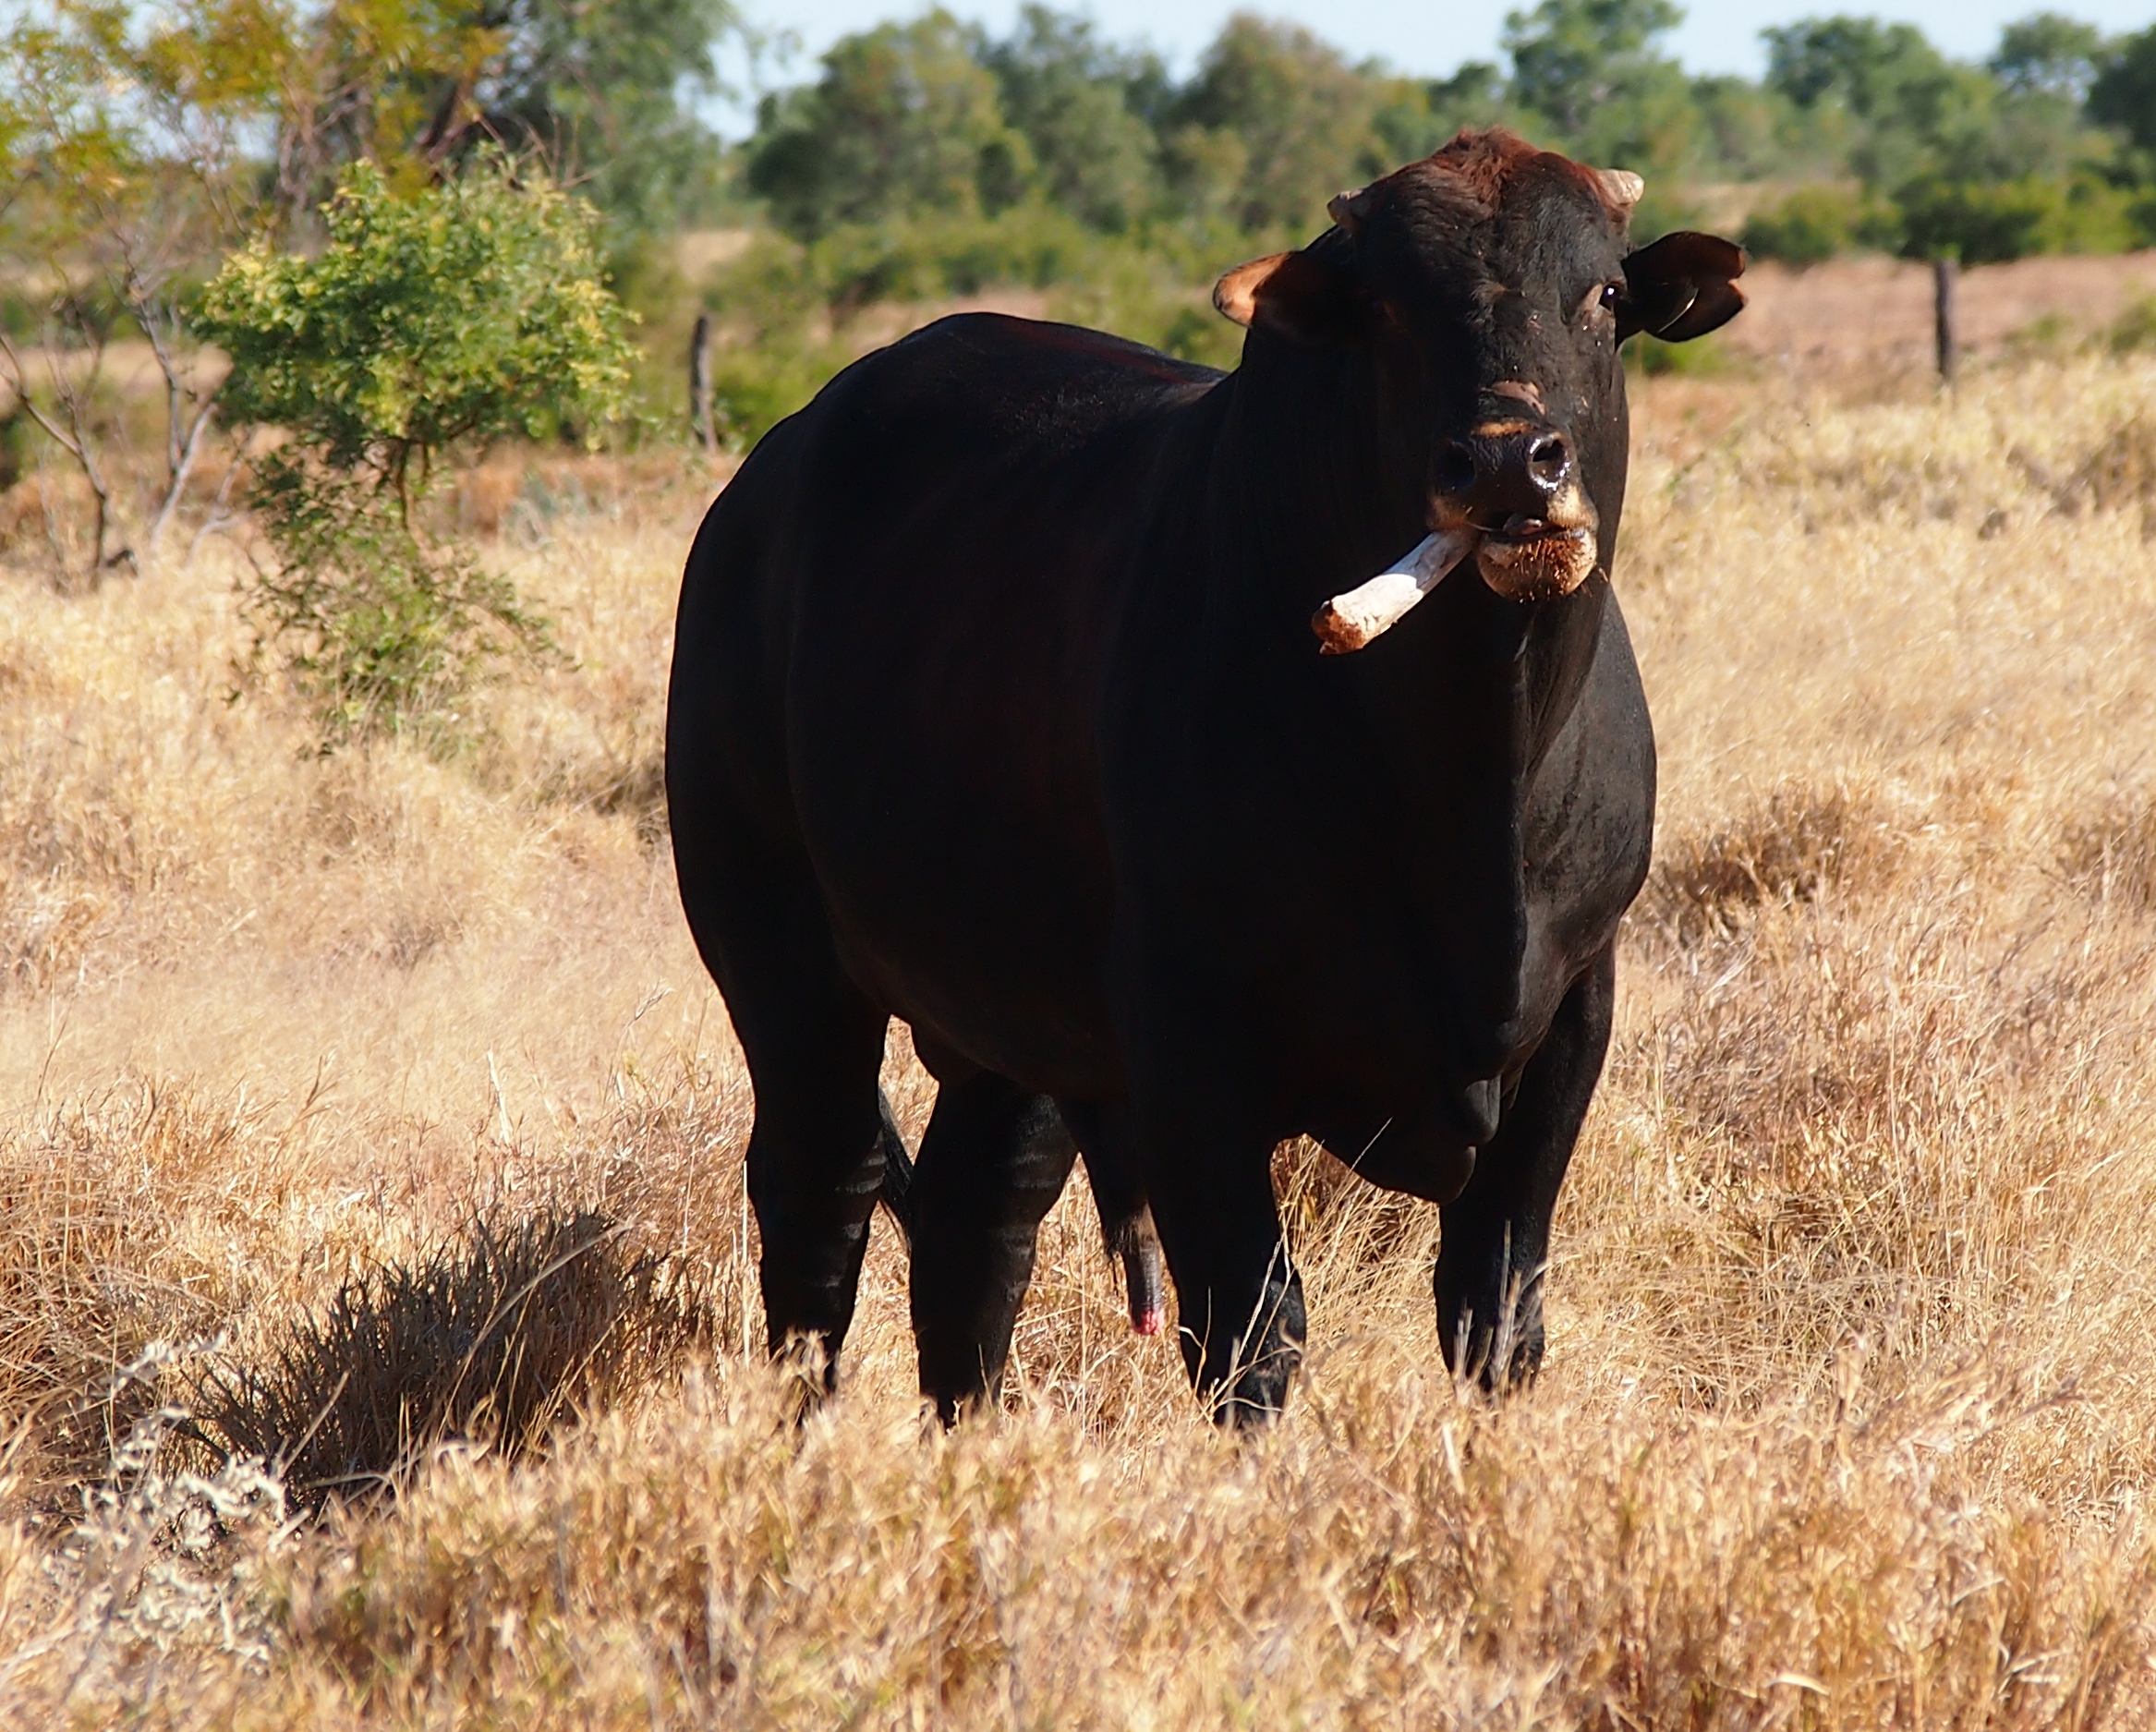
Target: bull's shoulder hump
[1044,342]
[1013,382]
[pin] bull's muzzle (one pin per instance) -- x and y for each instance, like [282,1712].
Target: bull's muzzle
[1513,493]
[1536,560]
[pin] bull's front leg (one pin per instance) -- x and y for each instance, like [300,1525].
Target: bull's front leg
[1497,1232]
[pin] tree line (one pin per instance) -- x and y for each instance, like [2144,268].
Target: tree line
[2048,145]
[142,145]
[929,158]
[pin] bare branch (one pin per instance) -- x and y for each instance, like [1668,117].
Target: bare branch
[220,515]
[183,468]
[74,438]
[187,410]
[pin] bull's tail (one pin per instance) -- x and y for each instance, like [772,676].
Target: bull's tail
[898,1171]
[1126,1222]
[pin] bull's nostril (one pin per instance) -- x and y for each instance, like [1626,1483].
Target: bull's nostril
[1456,469]
[1547,459]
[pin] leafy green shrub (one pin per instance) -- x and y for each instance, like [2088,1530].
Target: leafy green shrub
[2047,336]
[377,629]
[1815,222]
[789,315]
[934,257]
[461,313]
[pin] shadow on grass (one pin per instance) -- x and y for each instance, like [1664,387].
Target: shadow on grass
[495,1336]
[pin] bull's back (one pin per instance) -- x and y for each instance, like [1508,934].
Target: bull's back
[892,635]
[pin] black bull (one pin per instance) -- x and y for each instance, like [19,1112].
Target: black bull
[995,706]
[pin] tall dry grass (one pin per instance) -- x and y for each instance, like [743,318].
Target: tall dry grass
[1851,1396]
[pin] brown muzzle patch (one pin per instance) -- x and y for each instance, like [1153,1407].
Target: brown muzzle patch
[1538,567]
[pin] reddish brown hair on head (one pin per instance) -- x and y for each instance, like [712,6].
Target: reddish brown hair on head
[1478,164]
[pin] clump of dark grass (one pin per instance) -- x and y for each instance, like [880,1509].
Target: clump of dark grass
[1793,847]
[495,1336]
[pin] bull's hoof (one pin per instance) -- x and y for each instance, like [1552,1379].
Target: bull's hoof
[1495,1363]
[1256,1395]
[808,1374]
[1249,1409]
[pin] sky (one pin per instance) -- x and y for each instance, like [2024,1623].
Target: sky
[1416,35]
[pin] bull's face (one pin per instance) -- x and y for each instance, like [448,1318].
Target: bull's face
[1492,284]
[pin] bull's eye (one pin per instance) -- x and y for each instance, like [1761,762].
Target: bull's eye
[1612,293]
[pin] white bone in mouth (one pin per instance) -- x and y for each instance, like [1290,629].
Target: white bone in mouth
[1353,619]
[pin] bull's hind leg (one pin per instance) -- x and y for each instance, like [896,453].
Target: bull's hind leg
[1497,1232]
[992,1164]
[820,1153]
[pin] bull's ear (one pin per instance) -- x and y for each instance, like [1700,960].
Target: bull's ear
[1682,287]
[1291,295]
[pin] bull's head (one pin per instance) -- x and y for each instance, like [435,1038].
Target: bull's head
[1493,283]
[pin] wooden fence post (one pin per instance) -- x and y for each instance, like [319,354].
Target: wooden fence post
[1944,273]
[700,385]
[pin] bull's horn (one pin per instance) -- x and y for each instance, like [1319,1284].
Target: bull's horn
[1349,210]
[1621,188]
[1350,621]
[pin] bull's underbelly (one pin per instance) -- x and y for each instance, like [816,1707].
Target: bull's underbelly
[1011,1002]
[960,839]
[967,897]
[999,957]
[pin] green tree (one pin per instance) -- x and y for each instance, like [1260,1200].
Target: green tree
[2122,93]
[903,121]
[1988,220]
[1867,66]
[124,142]
[593,88]
[1079,103]
[1903,96]
[1274,118]
[1589,70]
[1572,58]
[2049,53]
[1816,221]
[1911,104]
[461,313]
[1981,162]
[1413,120]
[1749,131]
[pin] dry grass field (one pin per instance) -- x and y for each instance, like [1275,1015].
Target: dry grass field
[1851,1400]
